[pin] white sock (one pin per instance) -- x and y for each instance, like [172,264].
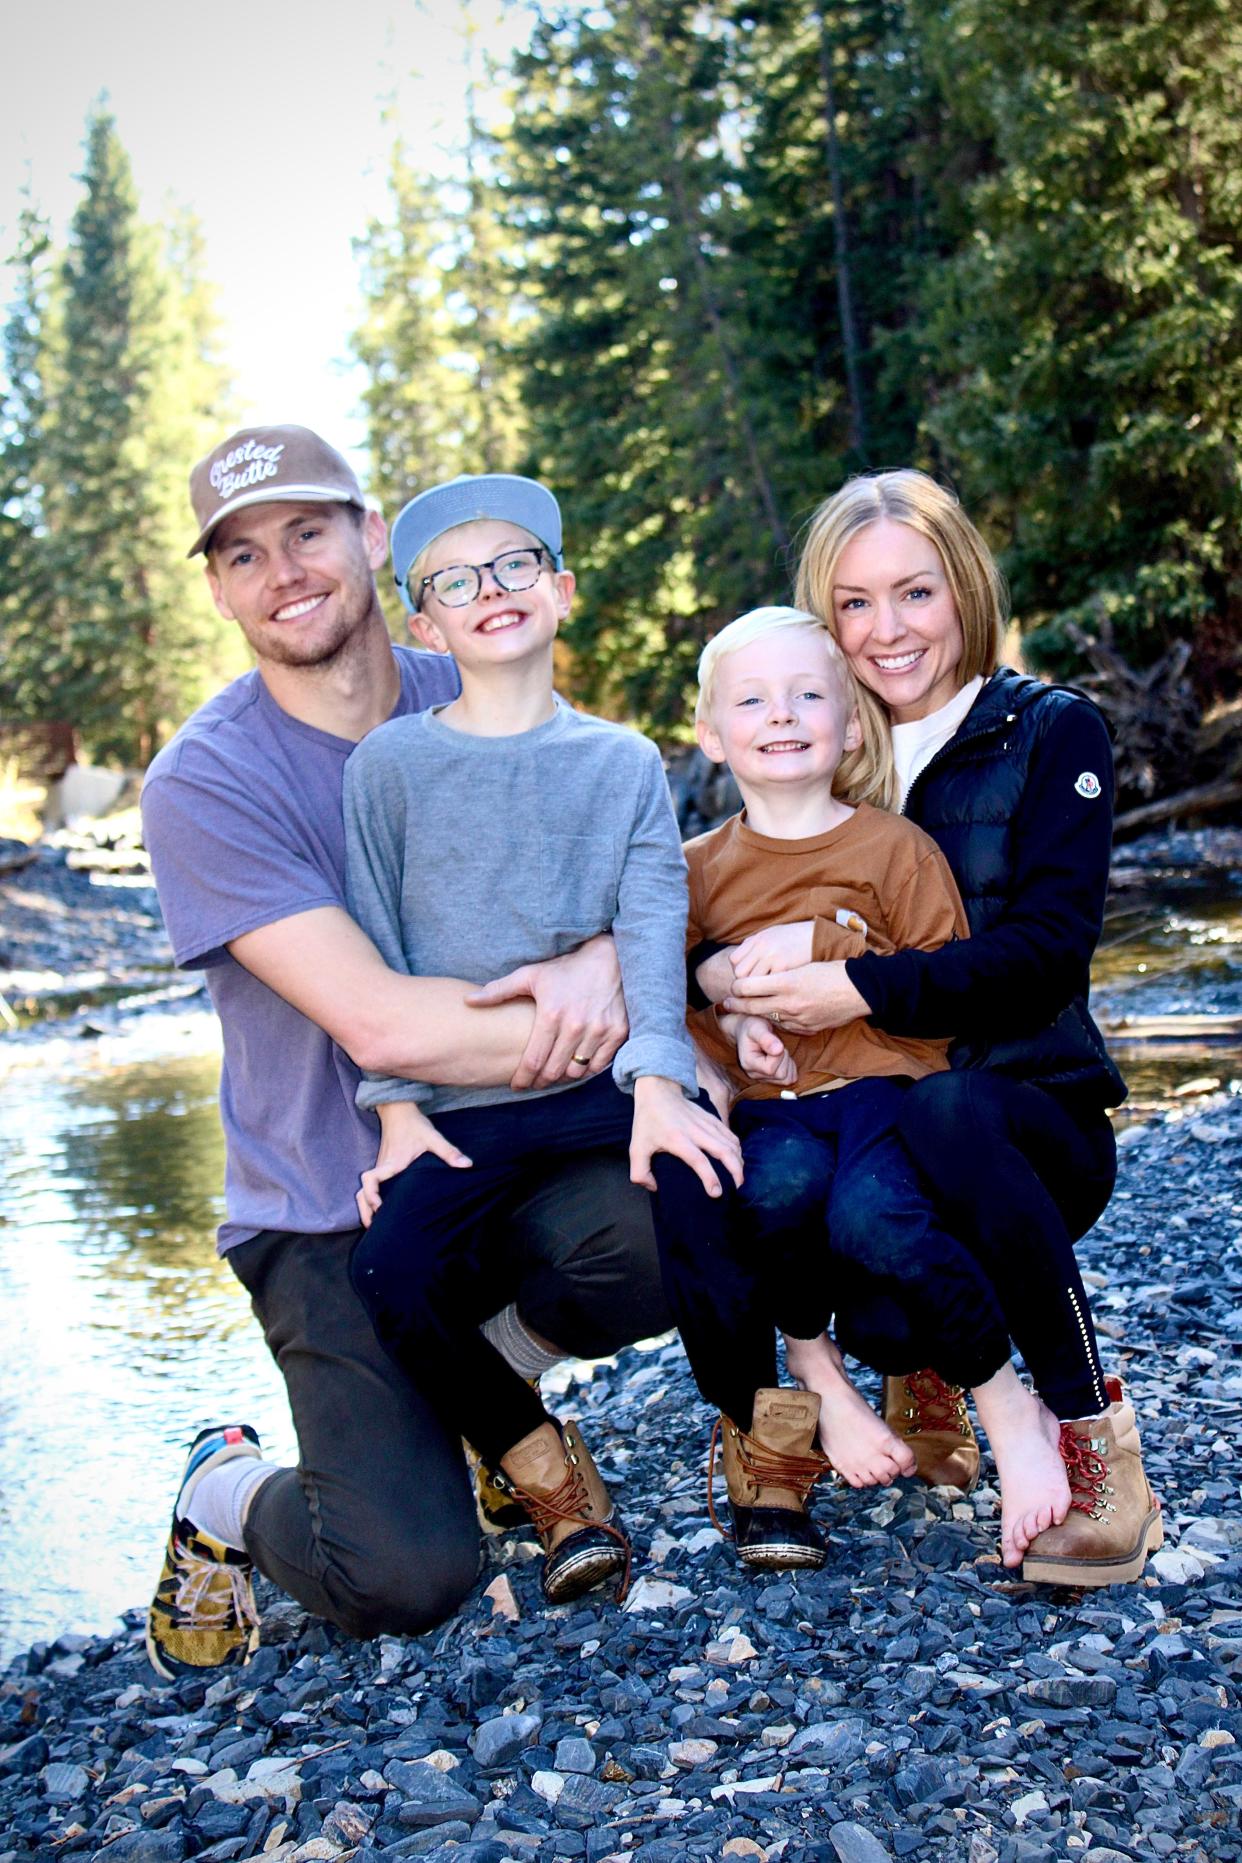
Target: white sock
[526,1356]
[221,1499]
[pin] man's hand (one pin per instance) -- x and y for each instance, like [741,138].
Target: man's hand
[776,947]
[762,1053]
[405,1134]
[580,1018]
[665,1120]
[804,1001]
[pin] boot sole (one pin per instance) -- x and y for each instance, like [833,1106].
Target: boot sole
[782,1558]
[1122,1570]
[583,1573]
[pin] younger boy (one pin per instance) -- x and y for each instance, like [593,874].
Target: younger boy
[829,1189]
[551,827]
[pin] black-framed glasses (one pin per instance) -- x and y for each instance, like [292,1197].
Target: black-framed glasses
[459,584]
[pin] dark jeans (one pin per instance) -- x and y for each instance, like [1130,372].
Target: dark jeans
[1019,1177]
[833,1201]
[426,1269]
[375,1528]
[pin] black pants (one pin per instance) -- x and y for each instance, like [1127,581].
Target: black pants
[426,1269]
[375,1528]
[1018,1178]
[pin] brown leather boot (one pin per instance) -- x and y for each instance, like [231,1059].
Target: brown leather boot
[770,1471]
[931,1416]
[1114,1518]
[552,1474]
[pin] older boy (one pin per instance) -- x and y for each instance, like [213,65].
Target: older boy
[544,827]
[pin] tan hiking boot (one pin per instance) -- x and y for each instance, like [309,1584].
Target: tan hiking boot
[552,1474]
[931,1416]
[1114,1519]
[770,1471]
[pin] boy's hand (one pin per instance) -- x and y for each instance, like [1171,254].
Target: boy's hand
[776,947]
[762,1053]
[665,1120]
[714,1082]
[405,1134]
[580,1018]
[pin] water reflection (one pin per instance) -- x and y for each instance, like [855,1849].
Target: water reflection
[120,1331]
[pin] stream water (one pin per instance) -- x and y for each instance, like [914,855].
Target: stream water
[120,1331]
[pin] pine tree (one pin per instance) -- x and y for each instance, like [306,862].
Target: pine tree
[1090,326]
[26,587]
[132,392]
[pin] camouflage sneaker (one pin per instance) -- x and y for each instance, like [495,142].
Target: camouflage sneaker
[498,1510]
[203,1613]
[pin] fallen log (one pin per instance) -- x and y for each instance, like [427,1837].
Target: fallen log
[1200,801]
[1183,1028]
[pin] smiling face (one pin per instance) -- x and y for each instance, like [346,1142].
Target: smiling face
[780,712]
[896,621]
[299,579]
[497,628]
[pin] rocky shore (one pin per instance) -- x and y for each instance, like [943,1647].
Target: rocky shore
[909,1701]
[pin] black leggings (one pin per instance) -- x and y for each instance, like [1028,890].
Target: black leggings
[1018,1178]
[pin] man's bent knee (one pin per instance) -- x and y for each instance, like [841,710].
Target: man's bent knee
[398,1591]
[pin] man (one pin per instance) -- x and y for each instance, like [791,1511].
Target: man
[375,1528]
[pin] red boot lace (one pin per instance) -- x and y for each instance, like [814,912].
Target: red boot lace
[937,1405]
[767,1468]
[569,1503]
[1086,1470]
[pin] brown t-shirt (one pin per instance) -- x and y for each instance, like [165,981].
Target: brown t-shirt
[876,867]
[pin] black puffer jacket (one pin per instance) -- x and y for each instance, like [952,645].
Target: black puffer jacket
[1020,801]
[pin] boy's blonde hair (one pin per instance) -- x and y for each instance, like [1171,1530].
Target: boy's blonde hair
[863,775]
[912,498]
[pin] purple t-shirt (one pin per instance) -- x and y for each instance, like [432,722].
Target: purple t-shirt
[242,819]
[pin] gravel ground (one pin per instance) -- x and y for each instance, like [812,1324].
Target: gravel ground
[909,1700]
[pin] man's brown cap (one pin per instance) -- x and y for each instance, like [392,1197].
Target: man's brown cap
[257,465]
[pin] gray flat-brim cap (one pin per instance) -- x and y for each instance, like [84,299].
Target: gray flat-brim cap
[464,500]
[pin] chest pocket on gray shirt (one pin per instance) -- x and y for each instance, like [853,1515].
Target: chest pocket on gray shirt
[577,884]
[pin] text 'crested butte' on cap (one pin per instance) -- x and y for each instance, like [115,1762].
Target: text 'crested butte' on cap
[464,500]
[259,465]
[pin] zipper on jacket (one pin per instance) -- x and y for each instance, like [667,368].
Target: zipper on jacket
[960,739]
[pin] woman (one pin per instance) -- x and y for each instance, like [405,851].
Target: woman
[1013,779]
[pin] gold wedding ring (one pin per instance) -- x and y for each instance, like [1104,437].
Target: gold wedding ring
[775,1019]
[582,1060]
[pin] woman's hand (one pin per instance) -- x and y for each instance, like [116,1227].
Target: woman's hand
[805,1001]
[405,1134]
[776,947]
[665,1120]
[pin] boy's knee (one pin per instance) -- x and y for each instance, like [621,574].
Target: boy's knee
[785,1181]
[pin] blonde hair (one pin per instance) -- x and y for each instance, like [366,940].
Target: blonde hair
[863,775]
[911,498]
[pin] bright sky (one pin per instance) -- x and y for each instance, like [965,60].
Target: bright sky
[272,120]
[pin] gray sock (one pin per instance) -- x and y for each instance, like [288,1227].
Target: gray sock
[506,1332]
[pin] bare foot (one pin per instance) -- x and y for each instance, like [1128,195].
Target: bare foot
[858,1443]
[1025,1439]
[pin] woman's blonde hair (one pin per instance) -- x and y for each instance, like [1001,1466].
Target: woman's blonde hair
[911,498]
[863,775]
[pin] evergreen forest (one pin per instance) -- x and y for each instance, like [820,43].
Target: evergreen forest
[717,257]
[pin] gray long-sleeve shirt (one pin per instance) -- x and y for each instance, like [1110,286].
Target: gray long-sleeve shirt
[468,856]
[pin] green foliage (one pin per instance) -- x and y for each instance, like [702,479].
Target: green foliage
[112,384]
[1089,324]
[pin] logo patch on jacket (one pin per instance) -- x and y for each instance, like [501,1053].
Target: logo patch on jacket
[1088,785]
